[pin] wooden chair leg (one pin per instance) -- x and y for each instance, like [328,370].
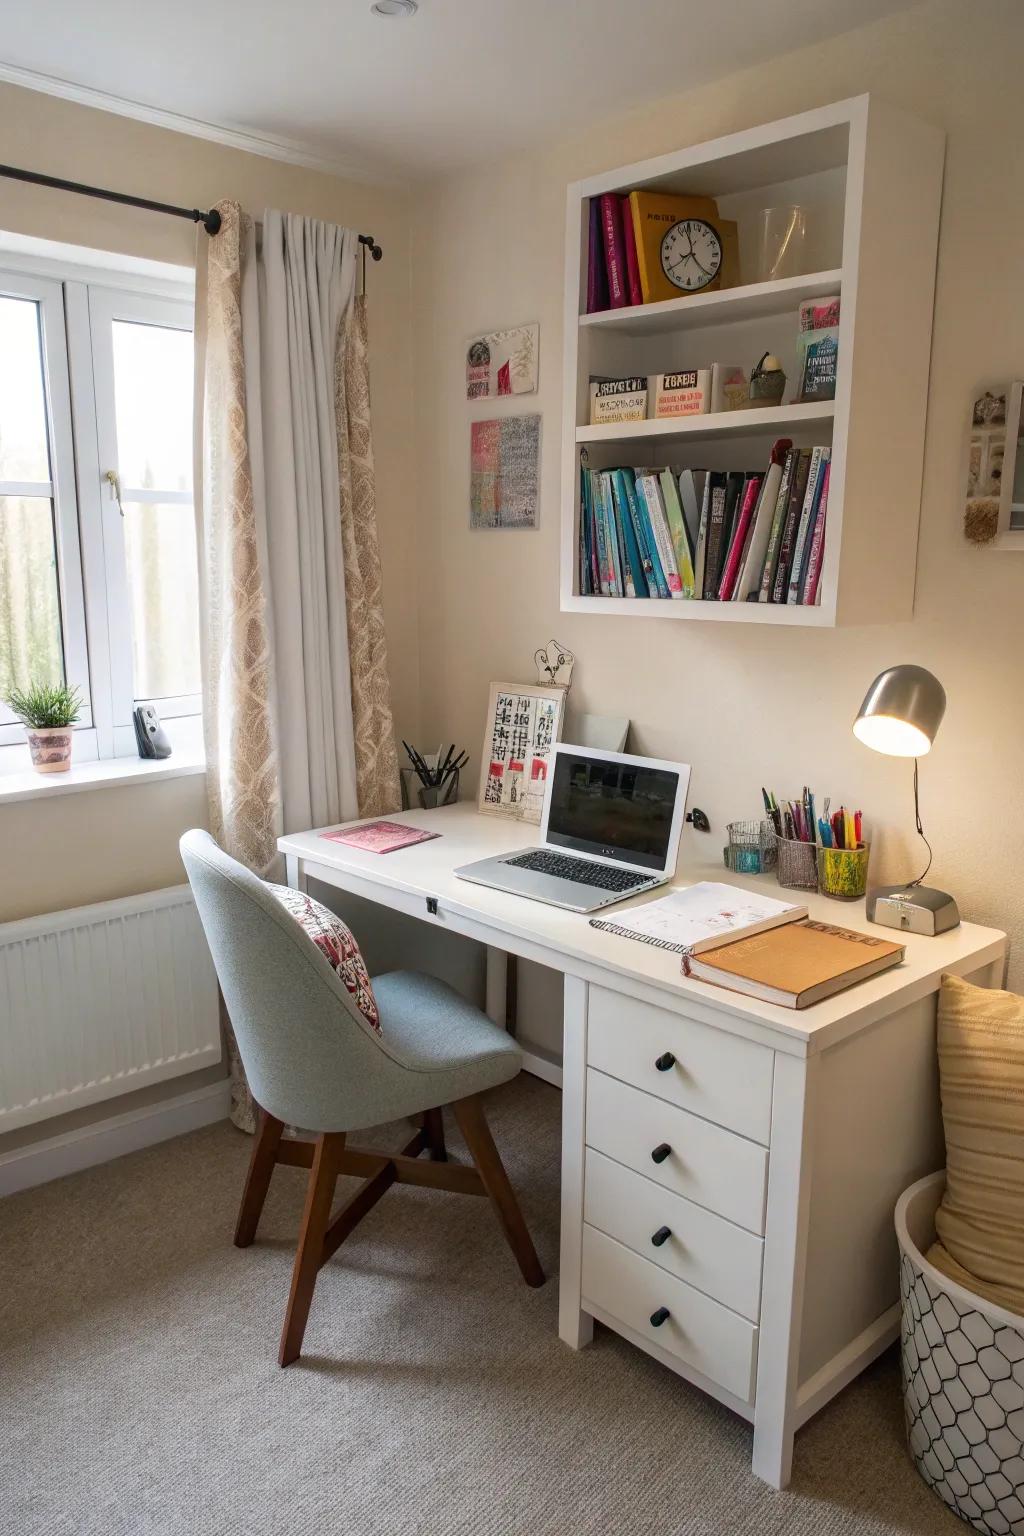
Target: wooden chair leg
[257,1180]
[309,1256]
[472,1123]
[433,1127]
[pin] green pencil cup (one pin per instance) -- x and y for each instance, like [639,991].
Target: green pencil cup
[843,872]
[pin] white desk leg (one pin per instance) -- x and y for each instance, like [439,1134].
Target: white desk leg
[785,1263]
[575,1327]
[294,872]
[497,976]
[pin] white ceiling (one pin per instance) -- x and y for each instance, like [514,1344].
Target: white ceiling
[463,81]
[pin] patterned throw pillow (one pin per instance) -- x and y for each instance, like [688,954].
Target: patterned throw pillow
[334,940]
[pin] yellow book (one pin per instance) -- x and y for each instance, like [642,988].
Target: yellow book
[797,965]
[653,214]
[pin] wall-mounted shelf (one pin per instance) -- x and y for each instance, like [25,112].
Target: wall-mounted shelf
[870,178]
[752,301]
[778,421]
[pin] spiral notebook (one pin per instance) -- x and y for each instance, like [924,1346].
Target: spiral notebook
[698,917]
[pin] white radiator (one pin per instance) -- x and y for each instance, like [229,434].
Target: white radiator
[101,1000]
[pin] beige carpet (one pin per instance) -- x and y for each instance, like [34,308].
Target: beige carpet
[139,1391]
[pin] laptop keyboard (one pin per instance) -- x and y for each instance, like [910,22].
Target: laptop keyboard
[580,870]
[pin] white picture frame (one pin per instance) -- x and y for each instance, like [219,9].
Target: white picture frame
[522,726]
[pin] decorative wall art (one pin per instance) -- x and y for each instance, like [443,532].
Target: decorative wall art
[994,507]
[503,363]
[554,664]
[504,463]
[524,720]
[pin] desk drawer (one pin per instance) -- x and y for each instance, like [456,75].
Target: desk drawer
[705,1164]
[715,1074]
[697,1330]
[707,1252]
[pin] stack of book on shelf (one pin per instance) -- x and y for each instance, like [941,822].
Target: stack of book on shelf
[667,396]
[709,535]
[625,266]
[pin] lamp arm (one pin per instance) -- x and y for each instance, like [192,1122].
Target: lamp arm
[920,831]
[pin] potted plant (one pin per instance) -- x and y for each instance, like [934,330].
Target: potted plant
[47,711]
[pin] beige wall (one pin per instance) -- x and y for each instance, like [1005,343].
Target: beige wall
[93,846]
[117,842]
[752,705]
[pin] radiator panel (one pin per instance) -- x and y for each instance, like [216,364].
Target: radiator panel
[101,1000]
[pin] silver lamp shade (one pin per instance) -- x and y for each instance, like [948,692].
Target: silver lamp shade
[901,712]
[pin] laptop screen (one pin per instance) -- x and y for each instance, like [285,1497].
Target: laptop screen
[613,809]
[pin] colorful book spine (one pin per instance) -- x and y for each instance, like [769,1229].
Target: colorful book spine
[809,596]
[649,488]
[771,555]
[595,566]
[603,557]
[796,497]
[616,582]
[586,585]
[716,526]
[614,251]
[629,243]
[700,558]
[731,569]
[637,510]
[677,528]
[597,272]
[811,496]
[634,559]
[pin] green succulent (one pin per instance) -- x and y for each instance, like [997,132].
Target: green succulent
[42,706]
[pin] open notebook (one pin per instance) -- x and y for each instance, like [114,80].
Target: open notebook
[701,916]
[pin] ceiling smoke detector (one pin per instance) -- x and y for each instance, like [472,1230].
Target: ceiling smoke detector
[394,7]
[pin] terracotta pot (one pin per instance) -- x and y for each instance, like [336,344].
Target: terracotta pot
[50,748]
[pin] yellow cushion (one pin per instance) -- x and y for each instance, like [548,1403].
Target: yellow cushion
[980,1223]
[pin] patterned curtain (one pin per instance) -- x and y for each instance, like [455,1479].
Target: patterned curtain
[377,779]
[241,455]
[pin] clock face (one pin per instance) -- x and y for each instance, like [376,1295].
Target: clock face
[691,255]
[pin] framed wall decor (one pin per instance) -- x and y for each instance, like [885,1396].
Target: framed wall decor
[994,508]
[504,472]
[503,363]
[524,720]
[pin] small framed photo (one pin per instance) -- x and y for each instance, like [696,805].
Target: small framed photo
[524,721]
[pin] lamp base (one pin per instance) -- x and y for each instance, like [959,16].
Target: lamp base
[912,908]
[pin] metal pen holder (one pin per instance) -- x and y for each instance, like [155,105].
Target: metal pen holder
[843,872]
[797,866]
[751,849]
[418,796]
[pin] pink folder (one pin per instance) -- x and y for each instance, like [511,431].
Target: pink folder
[380,836]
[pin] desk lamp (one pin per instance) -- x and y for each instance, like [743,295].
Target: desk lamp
[901,712]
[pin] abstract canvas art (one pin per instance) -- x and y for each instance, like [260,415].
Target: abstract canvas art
[503,473]
[524,720]
[502,363]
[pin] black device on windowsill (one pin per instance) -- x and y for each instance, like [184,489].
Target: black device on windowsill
[149,733]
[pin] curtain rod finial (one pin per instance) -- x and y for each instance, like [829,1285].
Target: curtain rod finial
[211,222]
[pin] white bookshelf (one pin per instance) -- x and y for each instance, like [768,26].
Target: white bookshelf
[870,177]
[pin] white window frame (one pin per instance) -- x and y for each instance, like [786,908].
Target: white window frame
[61,490]
[77,301]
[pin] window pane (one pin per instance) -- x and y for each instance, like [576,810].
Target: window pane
[30,635]
[160,545]
[23,450]
[153,402]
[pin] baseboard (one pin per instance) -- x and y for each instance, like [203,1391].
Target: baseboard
[540,1066]
[114,1137]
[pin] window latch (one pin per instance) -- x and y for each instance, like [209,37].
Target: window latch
[113,479]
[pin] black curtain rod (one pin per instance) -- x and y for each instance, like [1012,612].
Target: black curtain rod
[209,220]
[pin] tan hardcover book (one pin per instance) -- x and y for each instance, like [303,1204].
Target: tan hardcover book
[796,965]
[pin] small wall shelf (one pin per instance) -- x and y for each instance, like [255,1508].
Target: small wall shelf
[870,178]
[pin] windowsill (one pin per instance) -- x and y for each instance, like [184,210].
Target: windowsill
[110,773]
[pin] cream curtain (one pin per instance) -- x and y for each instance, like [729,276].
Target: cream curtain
[297,709]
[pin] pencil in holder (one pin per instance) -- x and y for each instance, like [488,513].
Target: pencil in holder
[797,866]
[843,872]
[751,847]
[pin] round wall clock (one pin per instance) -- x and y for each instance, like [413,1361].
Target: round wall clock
[691,254]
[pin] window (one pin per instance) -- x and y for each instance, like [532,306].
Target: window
[98,570]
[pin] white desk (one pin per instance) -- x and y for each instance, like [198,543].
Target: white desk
[790,1134]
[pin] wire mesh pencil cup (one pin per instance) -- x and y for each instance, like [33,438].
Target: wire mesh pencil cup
[751,847]
[797,866]
[843,872]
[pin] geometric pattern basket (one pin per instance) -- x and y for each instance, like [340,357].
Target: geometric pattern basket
[963,1380]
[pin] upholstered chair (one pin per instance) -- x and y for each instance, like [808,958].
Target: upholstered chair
[326,1050]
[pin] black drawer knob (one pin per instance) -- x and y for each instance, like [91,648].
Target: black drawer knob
[661,1316]
[665,1062]
[660,1152]
[661,1236]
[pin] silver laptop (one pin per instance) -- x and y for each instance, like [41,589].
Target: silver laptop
[610,830]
